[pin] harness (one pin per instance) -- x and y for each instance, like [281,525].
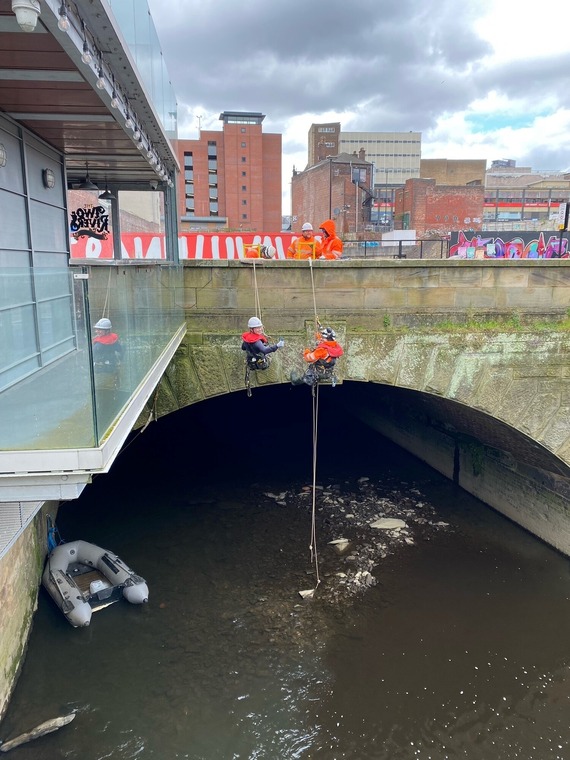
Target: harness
[255,360]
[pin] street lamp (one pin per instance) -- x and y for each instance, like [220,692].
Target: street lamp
[330,187]
[386,219]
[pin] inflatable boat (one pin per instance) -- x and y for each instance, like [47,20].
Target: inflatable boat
[82,578]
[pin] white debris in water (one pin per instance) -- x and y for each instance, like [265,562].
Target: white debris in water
[340,544]
[277,496]
[388,523]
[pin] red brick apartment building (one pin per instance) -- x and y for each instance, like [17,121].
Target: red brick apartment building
[231,179]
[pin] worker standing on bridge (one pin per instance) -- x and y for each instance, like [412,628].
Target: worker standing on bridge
[331,246]
[257,346]
[306,246]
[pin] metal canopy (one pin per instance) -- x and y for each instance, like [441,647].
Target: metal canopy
[46,87]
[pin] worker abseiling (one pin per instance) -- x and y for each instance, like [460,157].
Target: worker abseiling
[256,345]
[321,360]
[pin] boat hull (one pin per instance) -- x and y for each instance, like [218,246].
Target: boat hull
[81,578]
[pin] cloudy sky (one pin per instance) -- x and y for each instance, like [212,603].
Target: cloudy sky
[478,78]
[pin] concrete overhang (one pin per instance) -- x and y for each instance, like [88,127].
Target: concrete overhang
[47,87]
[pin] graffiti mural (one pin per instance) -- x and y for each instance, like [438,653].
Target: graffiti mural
[523,245]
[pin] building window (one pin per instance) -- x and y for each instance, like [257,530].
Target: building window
[188,160]
[244,188]
[244,174]
[244,216]
[242,130]
[244,145]
[243,159]
[244,203]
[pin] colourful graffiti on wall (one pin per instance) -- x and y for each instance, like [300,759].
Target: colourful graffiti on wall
[529,246]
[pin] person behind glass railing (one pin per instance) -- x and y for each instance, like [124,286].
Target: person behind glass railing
[107,354]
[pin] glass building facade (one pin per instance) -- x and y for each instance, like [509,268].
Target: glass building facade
[139,32]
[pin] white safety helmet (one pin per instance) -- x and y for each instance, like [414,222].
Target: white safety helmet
[267,251]
[254,322]
[327,333]
[307,226]
[104,324]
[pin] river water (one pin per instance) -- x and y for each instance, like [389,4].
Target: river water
[445,639]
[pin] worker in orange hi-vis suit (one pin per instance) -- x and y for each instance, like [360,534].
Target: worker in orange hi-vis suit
[304,247]
[321,360]
[331,246]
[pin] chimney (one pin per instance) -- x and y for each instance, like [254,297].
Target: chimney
[361,154]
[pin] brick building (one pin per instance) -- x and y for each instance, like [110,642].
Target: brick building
[435,210]
[337,188]
[447,171]
[231,180]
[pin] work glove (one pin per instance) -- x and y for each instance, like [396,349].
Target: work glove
[280,343]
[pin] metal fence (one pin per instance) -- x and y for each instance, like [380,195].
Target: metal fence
[398,249]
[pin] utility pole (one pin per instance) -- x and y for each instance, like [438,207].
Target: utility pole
[330,187]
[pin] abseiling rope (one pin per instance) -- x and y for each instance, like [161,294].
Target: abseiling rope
[315,395]
[313,544]
[258,315]
[256,293]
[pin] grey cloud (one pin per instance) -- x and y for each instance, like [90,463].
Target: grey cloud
[406,61]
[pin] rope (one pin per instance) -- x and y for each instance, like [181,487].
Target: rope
[106,304]
[247,378]
[313,544]
[317,323]
[256,293]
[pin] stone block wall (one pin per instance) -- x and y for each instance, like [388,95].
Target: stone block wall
[20,572]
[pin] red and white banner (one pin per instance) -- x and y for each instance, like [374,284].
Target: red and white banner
[191,245]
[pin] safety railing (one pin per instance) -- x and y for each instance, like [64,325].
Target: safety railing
[397,249]
[61,384]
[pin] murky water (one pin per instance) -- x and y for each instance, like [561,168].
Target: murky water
[457,649]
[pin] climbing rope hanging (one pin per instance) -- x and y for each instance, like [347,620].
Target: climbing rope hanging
[105,312]
[315,403]
[258,315]
[313,544]
[317,323]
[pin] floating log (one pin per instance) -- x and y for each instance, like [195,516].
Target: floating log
[35,733]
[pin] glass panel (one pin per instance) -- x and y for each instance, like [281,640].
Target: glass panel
[11,175]
[15,287]
[49,228]
[139,31]
[17,337]
[55,325]
[142,224]
[55,405]
[90,225]
[14,226]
